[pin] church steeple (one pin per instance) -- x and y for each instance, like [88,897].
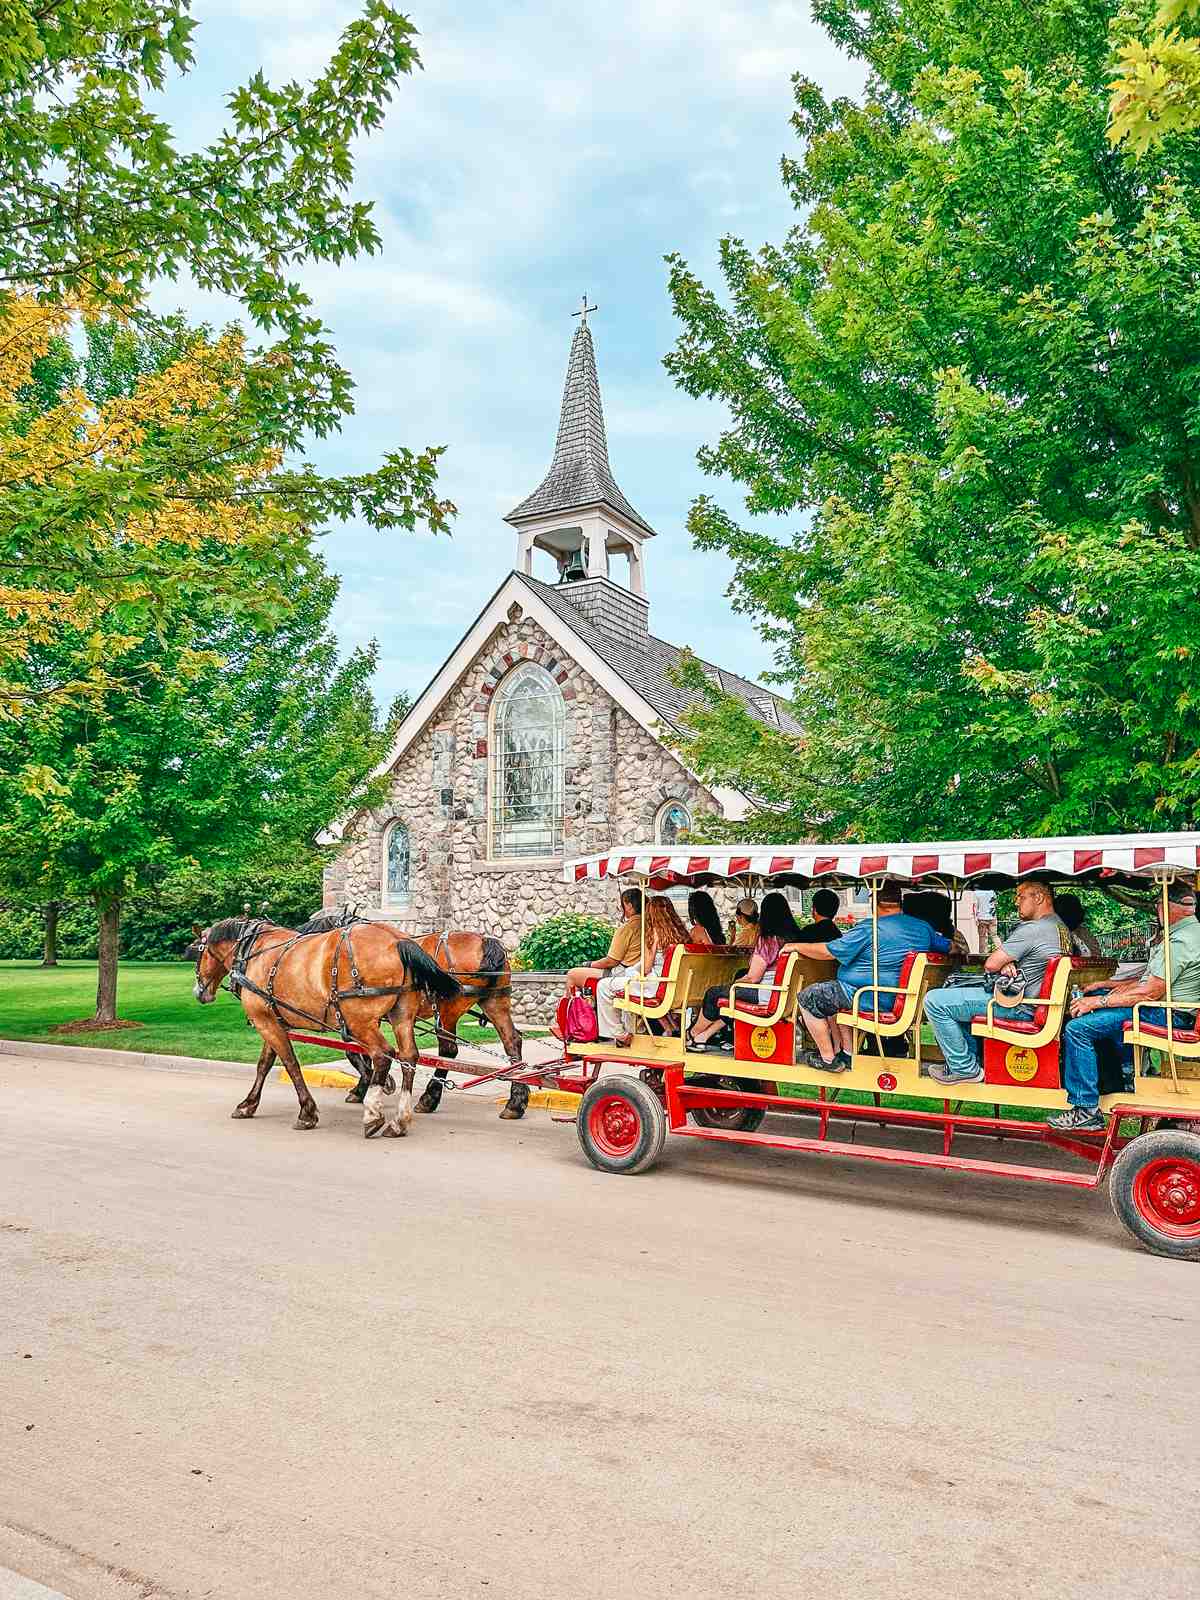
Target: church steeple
[578,513]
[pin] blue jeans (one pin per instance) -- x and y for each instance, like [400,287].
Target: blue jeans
[1081,1070]
[949,1011]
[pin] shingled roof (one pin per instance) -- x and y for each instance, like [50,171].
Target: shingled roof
[580,474]
[647,663]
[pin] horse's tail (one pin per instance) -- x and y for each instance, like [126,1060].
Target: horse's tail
[494,963]
[425,973]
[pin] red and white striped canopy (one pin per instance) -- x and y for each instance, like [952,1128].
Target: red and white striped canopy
[1113,855]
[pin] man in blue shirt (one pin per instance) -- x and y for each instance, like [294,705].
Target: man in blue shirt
[899,936]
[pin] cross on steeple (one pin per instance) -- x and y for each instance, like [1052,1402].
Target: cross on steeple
[582,313]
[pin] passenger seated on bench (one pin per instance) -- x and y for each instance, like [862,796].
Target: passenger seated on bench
[1022,959]
[1083,940]
[818,1005]
[1100,1018]
[936,910]
[624,952]
[705,923]
[663,929]
[776,923]
[744,929]
[825,907]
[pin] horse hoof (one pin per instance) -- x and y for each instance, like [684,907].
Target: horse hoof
[370,1129]
[355,1097]
[518,1100]
[303,1124]
[395,1130]
[239,1112]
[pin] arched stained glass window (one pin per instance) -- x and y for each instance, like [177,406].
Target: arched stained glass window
[528,742]
[396,866]
[674,823]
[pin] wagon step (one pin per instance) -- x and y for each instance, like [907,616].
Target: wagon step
[900,1158]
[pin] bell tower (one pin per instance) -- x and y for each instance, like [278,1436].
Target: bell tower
[578,514]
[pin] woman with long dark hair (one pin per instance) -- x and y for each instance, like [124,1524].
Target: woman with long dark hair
[776,926]
[705,923]
[775,920]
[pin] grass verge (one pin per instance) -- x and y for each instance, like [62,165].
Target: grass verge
[156,996]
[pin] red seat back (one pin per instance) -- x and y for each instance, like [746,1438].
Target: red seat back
[906,967]
[1048,977]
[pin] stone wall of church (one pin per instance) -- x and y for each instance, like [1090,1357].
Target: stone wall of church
[617,778]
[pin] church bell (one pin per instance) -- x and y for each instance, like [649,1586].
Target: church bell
[573,569]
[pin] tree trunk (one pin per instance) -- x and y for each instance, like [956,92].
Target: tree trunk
[50,934]
[106,975]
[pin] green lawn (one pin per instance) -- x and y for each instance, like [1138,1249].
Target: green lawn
[155,994]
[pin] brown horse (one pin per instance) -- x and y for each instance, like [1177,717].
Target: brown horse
[479,964]
[351,978]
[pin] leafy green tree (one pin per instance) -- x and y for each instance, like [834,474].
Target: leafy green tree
[234,749]
[963,413]
[192,480]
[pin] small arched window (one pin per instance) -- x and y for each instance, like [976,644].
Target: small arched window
[674,823]
[528,748]
[395,867]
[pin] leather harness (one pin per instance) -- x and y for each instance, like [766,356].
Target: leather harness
[244,952]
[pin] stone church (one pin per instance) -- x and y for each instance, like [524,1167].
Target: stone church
[546,734]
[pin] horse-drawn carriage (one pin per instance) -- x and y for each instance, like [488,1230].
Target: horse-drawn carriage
[631,1095]
[1149,1151]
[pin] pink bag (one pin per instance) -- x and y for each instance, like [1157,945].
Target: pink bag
[576,1020]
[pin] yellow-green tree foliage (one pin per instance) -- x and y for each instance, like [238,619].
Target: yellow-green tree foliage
[1156,88]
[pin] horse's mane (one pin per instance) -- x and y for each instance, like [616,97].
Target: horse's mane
[328,921]
[233,928]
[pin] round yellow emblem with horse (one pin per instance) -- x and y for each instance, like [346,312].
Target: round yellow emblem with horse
[764,1043]
[1020,1063]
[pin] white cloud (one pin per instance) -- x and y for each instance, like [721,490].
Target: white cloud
[544,150]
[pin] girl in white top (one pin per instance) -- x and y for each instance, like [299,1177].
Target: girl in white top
[663,929]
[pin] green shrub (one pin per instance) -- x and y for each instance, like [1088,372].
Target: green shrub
[571,939]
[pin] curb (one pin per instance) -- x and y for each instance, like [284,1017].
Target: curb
[94,1056]
[14,1587]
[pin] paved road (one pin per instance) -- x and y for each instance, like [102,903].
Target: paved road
[242,1362]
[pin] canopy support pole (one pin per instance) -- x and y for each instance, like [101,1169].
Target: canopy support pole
[1166,923]
[645,883]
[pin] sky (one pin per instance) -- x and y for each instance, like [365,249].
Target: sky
[546,150]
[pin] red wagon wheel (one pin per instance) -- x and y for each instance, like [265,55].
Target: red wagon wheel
[1155,1191]
[621,1125]
[735,1119]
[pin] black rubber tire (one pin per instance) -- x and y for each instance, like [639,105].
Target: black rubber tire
[1127,1189]
[637,1133]
[735,1119]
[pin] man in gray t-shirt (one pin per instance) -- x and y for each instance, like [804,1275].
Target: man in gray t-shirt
[1030,945]
[1021,958]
